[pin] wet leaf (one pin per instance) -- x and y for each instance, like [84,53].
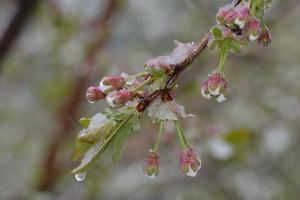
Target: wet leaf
[96,150]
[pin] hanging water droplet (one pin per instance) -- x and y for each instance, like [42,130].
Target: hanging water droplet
[80,177]
[91,102]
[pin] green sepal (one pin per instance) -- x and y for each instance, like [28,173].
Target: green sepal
[216,32]
[85,122]
[235,46]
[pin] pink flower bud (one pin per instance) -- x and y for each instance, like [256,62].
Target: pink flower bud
[204,90]
[265,37]
[117,99]
[216,86]
[110,83]
[151,165]
[94,94]
[223,14]
[230,17]
[252,29]
[242,14]
[190,162]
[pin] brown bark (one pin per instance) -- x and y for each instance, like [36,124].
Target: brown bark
[50,166]
[25,8]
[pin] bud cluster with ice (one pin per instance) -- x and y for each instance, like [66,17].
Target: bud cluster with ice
[236,26]
[215,86]
[154,89]
[243,25]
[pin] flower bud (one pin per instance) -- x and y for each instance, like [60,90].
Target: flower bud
[224,14]
[94,94]
[110,83]
[151,165]
[216,86]
[117,99]
[242,14]
[190,162]
[252,29]
[265,37]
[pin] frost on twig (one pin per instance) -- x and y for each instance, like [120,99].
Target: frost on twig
[153,90]
[159,110]
[181,53]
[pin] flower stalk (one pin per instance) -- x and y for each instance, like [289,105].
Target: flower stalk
[157,142]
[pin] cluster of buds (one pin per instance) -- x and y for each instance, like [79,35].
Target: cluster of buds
[237,24]
[190,163]
[239,20]
[233,16]
[216,85]
[111,88]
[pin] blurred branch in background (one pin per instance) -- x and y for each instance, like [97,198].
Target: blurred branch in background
[65,117]
[23,12]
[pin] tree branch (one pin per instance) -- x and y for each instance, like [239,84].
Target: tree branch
[179,67]
[65,117]
[14,28]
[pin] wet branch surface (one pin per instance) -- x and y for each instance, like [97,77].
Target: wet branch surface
[178,68]
[14,28]
[51,167]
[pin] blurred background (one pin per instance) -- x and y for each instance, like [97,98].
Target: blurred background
[52,50]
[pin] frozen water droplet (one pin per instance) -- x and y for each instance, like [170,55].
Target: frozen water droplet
[91,102]
[80,177]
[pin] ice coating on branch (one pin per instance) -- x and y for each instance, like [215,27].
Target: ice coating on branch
[159,110]
[181,52]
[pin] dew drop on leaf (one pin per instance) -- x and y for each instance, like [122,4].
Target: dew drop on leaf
[80,176]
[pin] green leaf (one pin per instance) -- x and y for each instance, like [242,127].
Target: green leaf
[216,31]
[81,147]
[119,141]
[94,135]
[85,122]
[96,150]
[86,141]
[235,46]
